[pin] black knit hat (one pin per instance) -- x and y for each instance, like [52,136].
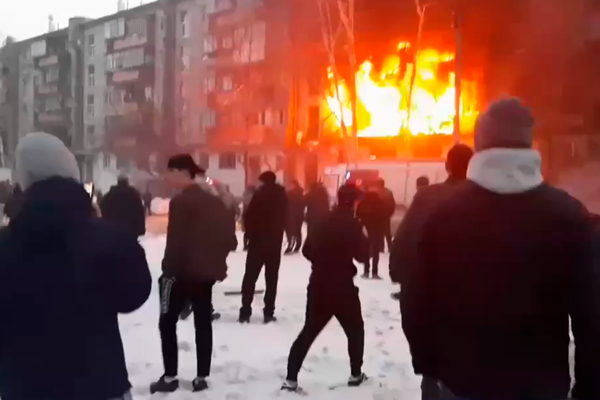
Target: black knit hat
[505,124]
[185,162]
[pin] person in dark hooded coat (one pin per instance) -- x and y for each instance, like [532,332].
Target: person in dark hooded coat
[64,278]
[265,223]
[123,206]
[505,272]
[317,206]
[372,215]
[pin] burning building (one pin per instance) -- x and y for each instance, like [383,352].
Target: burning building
[395,98]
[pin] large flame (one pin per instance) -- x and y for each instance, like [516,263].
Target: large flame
[382,96]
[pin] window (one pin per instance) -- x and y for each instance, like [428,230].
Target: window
[185,24]
[227,83]
[91,76]
[114,28]
[52,75]
[114,96]
[209,45]
[209,84]
[106,160]
[227,161]
[222,5]
[227,42]
[91,46]
[203,13]
[136,28]
[185,57]
[90,106]
[90,129]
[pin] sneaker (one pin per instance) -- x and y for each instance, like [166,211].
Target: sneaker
[164,385]
[199,384]
[270,318]
[355,381]
[289,386]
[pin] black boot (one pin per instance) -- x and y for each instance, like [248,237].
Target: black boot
[164,385]
[199,385]
[270,318]
[355,381]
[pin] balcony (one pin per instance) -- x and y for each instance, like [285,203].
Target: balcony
[50,118]
[48,61]
[47,89]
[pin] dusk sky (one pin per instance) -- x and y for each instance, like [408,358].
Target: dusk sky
[27,18]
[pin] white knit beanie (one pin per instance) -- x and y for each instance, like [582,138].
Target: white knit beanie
[40,156]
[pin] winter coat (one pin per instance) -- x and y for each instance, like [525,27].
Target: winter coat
[371,214]
[317,206]
[404,249]
[200,235]
[123,206]
[296,207]
[337,242]
[501,266]
[388,201]
[265,218]
[64,278]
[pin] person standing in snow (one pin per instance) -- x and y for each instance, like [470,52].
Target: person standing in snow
[404,250]
[295,217]
[426,200]
[265,223]
[200,236]
[389,205]
[246,198]
[148,201]
[317,206]
[64,278]
[501,266]
[372,214]
[331,292]
[123,206]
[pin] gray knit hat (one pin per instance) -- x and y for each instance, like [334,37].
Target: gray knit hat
[505,124]
[40,156]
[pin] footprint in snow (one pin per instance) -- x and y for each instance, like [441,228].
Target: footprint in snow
[224,348]
[233,396]
[325,350]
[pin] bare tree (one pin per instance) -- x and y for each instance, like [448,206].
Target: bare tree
[421,12]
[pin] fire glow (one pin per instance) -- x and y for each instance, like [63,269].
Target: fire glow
[383,96]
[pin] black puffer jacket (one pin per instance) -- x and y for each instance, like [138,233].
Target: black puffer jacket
[123,205]
[64,278]
[200,235]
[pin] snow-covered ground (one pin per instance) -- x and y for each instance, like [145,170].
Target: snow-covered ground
[249,362]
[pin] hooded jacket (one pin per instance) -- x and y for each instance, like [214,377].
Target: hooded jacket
[64,278]
[501,266]
[265,218]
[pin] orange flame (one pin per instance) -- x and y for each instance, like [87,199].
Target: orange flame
[382,97]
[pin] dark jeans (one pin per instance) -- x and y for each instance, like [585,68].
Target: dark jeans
[321,307]
[388,232]
[375,247]
[259,256]
[174,295]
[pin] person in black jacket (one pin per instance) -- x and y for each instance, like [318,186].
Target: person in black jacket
[264,222]
[501,267]
[317,206]
[389,206]
[331,291]
[372,215]
[200,235]
[295,217]
[64,278]
[123,206]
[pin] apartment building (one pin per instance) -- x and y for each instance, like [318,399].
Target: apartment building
[9,102]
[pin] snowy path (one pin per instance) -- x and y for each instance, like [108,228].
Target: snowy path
[249,362]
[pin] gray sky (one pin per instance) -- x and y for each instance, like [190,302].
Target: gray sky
[27,18]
